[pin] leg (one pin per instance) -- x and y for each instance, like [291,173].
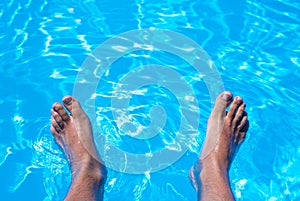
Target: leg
[225,133]
[88,174]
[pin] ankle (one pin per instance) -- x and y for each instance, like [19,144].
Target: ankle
[212,167]
[90,169]
[214,162]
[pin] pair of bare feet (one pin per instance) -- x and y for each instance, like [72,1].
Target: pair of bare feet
[209,176]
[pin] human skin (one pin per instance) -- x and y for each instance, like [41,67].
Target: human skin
[72,133]
[225,133]
[209,176]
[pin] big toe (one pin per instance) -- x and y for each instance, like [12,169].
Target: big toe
[71,104]
[223,101]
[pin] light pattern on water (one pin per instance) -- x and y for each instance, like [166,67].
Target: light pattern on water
[254,44]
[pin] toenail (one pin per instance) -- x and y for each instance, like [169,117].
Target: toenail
[226,97]
[238,98]
[68,100]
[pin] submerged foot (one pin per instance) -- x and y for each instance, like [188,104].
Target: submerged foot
[73,133]
[225,133]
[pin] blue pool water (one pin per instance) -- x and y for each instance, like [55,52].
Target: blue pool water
[253,44]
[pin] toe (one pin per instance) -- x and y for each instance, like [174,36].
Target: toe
[56,136]
[71,103]
[57,118]
[246,127]
[57,107]
[240,113]
[243,128]
[244,121]
[223,100]
[234,107]
[55,126]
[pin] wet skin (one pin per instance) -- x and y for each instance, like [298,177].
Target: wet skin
[73,133]
[225,133]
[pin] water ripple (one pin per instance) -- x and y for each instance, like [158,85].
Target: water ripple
[255,45]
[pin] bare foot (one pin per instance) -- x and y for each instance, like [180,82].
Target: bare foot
[225,133]
[72,133]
